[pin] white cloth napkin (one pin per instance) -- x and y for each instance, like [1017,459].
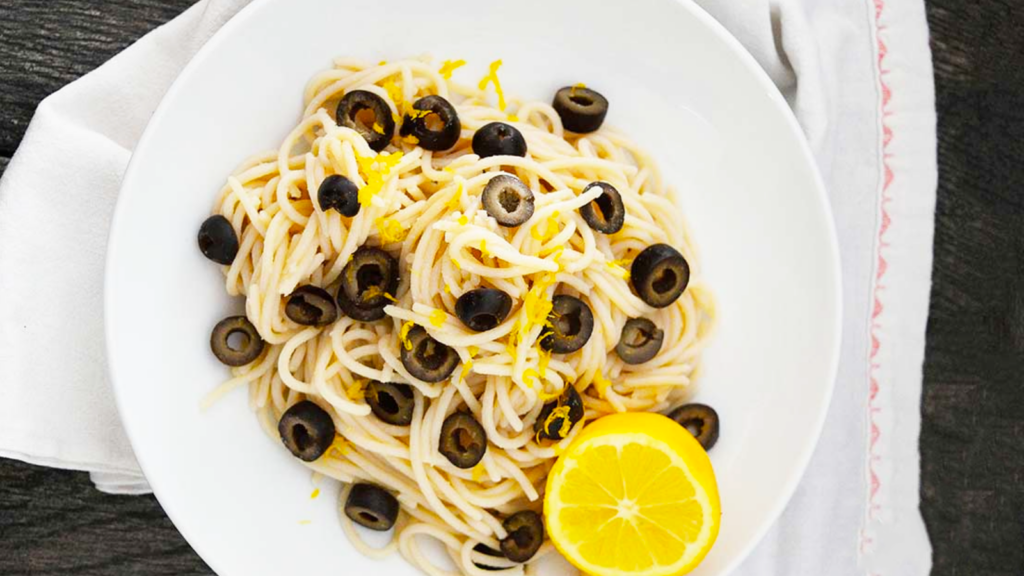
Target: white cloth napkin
[856,72]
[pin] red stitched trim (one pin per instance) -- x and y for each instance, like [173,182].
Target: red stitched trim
[882,266]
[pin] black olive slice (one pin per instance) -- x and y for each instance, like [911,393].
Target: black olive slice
[436,127]
[339,193]
[498,139]
[463,440]
[428,360]
[235,341]
[372,507]
[311,306]
[525,535]
[659,275]
[369,115]
[606,214]
[217,240]
[582,110]
[508,200]
[571,324]
[391,402]
[557,418]
[483,308]
[640,341]
[367,283]
[307,431]
[700,420]
[487,551]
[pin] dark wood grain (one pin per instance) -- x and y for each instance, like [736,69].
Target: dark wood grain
[972,437]
[972,444]
[44,44]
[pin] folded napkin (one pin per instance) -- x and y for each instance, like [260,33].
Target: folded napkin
[856,72]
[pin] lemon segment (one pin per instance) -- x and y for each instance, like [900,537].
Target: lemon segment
[634,494]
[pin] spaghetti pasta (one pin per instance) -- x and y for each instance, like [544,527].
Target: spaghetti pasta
[424,207]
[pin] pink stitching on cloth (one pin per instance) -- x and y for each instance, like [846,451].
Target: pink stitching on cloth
[882,266]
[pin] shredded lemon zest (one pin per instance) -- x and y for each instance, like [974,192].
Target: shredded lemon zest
[339,445]
[450,66]
[463,220]
[478,472]
[357,391]
[537,305]
[483,247]
[410,139]
[602,384]
[417,114]
[529,376]
[545,396]
[513,340]
[403,334]
[305,522]
[492,78]
[560,413]
[513,118]
[456,262]
[550,225]
[378,128]
[382,62]
[575,87]
[618,267]
[466,367]
[473,351]
[455,202]
[542,363]
[391,230]
[375,170]
[315,493]
[437,318]
[447,289]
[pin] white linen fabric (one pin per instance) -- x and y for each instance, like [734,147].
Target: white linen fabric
[858,75]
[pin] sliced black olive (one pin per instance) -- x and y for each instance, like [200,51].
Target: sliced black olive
[463,440]
[217,240]
[369,115]
[700,420]
[391,402]
[311,306]
[235,341]
[640,341]
[606,213]
[582,110]
[525,535]
[483,308]
[659,275]
[498,139]
[428,360]
[571,323]
[306,430]
[367,283]
[508,200]
[438,129]
[487,551]
[372,507]
[557,418]
[339,193]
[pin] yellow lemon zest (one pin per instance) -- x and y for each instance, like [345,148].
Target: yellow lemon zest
[305,522]
[550,225]
[450,66]
[437,318]
[483,247]
[390,230]
[403,334]
[375,170]
[378,128]
[410,139]
[447,289]
[529,376]
[394,92]
[545,396]
[602,384]
[455,202]
[575,87]
[466,367]
[382,62]
[315,493]
[374,291]
[537,305]
[558,414]
[513,118]
[417,114]
[542,363]
[472,351]
[463,220]
[456,262]
[492,78]
[617,267]
[338,446]
[478,472]
[357,391]
[513,340]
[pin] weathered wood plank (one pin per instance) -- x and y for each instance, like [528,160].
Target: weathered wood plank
[44,44]
[972,437]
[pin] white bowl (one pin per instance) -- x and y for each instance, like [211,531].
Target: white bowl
[678,83]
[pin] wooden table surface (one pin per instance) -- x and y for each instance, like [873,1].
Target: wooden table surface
[972,440]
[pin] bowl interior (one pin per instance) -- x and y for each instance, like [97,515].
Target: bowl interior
[677,83]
